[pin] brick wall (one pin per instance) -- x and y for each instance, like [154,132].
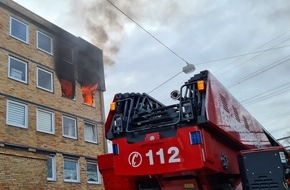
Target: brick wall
[29,92]
[22,170]
[21,166]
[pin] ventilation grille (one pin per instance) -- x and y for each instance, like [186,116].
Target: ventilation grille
[264,183]
[225,103]
[246,122]
[236,114]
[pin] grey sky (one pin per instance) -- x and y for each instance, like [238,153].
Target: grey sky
[197,30]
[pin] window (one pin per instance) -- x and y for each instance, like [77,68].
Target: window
[71,171]
[44,80]
[17,114]
[18,30]
[51,168]
[93,175]
[45,121]
[69,128]
[91,134]
[44,42]
[17,69]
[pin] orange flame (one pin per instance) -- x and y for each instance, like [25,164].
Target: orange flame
[89,94]
[67,88]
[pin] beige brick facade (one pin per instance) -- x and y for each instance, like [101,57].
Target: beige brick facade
[24,151]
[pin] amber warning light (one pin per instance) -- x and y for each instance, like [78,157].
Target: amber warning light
[113,106]
[200,85]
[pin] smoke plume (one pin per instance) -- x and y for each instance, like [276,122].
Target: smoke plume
[105,25]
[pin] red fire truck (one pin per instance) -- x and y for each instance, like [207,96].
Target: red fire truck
[207,141]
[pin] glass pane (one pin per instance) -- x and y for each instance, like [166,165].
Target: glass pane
[69,127]
[90,132]
[18,30]
[44,79]
[44,42]
[49,167]
[92,172]
[70,170]
[17,70]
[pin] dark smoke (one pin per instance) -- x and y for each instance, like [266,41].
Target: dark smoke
[105,25]
[78,62]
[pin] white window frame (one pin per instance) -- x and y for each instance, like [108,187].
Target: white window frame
[51,79]
[77,168]
[53,178]
[75,121]
[52,120]
[9,69]
[25,116]
[27,30]
[51,42]
[99,174]
[96,132]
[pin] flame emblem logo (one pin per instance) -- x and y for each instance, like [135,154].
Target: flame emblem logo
[135,159]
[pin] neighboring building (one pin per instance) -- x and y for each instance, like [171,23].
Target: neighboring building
[51,105]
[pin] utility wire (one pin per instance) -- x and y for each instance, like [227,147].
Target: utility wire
[241,55]
[273,39]
[177,55]
[266,95]
[268,67]
[220,60]
[165,82]
[255,56]
[149,33]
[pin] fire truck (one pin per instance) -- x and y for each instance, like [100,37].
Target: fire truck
[206,141]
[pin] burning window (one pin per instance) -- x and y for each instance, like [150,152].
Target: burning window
[66,70]
[89,94]
[67,88]
[79,63]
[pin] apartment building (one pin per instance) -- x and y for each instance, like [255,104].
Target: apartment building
[51,104]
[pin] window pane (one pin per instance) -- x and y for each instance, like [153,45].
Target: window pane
[70,170]
[90,132]
[45,121]
[49,167]
[17,69]
[69,127]
[92,172]
[16,114]
[18,30]
[44,79]
[44,42]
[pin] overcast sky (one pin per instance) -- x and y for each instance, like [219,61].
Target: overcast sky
[198,31]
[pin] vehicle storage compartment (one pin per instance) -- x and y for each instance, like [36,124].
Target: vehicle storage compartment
[263,169]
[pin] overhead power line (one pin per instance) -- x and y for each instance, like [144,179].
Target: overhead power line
[255,56]
[241,55]
[177,55]
[215,60]
[268,94]
[273,39]
[165,82]
[262,70]
[149,33]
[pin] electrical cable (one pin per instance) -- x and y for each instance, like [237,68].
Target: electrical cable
[215,60]
[165,82]
[149,33]
[266,95]
[240,55]
[255,56]
[277,37]
[268,67]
